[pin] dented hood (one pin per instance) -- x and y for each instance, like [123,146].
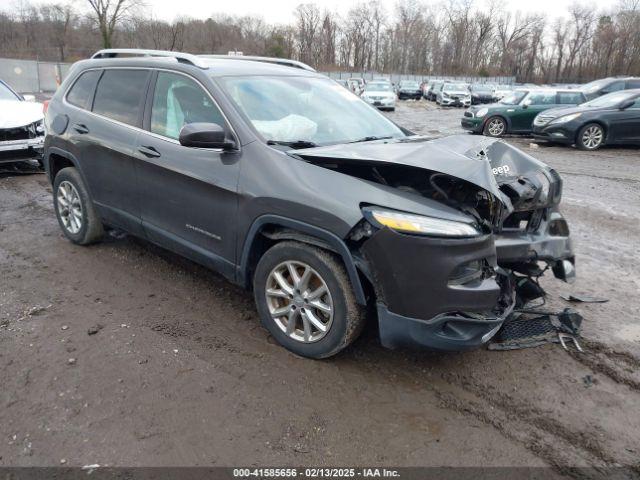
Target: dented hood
[17,113]
[478,160]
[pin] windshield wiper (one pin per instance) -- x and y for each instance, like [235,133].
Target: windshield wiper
[297,144]
[370,139]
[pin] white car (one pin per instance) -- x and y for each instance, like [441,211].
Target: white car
[454,94]
[502,91]
[380,95]
[21,126]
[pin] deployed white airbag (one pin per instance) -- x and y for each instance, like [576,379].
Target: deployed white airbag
[287,129]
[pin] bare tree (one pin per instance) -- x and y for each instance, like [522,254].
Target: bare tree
[108,14]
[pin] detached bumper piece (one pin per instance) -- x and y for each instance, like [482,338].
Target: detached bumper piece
[442,294]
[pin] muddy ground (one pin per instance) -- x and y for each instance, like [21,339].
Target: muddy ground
[180,372]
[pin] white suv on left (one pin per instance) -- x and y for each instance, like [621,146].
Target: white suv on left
[21,126]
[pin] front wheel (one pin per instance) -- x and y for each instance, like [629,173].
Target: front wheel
[495,127]
[590,137]
[305,300]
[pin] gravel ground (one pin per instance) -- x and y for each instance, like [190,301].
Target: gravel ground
[126,355]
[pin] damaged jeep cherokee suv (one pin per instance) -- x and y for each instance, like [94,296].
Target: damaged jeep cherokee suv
[291,186]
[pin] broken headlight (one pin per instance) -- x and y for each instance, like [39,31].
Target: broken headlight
[419,224]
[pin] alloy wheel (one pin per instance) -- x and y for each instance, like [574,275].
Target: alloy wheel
[69,207]
[592,137]
[299,301]
[496,127]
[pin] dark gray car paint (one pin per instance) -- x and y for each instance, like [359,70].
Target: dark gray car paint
[211,205]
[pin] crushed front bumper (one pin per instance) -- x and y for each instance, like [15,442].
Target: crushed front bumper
[21,150]
[550,242]
[420,302]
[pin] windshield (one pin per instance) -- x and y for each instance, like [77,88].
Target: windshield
[513,98]
[455,87]
[378,87]
[610,100]
[414,85]
[483,88]
[307,109]
[595,85]
[6,93]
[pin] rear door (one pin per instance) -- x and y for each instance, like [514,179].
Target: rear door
[106,139]
[188,195]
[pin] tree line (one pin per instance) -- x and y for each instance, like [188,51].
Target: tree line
[453,37]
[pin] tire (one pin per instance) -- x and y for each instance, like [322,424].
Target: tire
[343,324]
[590,137]
[69,187]
[495,127]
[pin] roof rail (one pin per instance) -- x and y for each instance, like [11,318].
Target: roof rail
[278,61]
[187,58]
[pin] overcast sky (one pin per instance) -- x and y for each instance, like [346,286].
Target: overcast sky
[281,11]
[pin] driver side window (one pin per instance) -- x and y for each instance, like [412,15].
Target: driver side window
[178,101]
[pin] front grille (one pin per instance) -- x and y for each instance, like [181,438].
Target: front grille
[20,133]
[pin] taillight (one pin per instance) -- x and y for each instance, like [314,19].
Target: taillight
[45,106]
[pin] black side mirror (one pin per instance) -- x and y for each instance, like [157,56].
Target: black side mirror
[627,103]
[205,135]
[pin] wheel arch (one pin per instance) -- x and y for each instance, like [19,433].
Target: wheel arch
[269,229]
[56,159]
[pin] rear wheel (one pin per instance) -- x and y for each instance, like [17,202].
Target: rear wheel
[306,301]
[76,213]
[495,127]
[590,137]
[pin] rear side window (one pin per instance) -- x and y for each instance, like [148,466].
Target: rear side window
[633,84]
[570,98]
[177,101]
[614,87]
[542,98]
[120,93]
[81,92]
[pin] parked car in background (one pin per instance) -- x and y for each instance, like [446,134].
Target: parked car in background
[356,85]
[454,95]
[605,86]
[291,187]
[502,91]
[21,126]
[515,113]
[608,120]
[380,94]
[409,89]
[482,93]
[435,87]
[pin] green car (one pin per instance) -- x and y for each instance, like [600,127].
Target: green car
[515,112]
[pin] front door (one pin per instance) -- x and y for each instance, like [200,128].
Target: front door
[625,124]
[188,195]
[530,107]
